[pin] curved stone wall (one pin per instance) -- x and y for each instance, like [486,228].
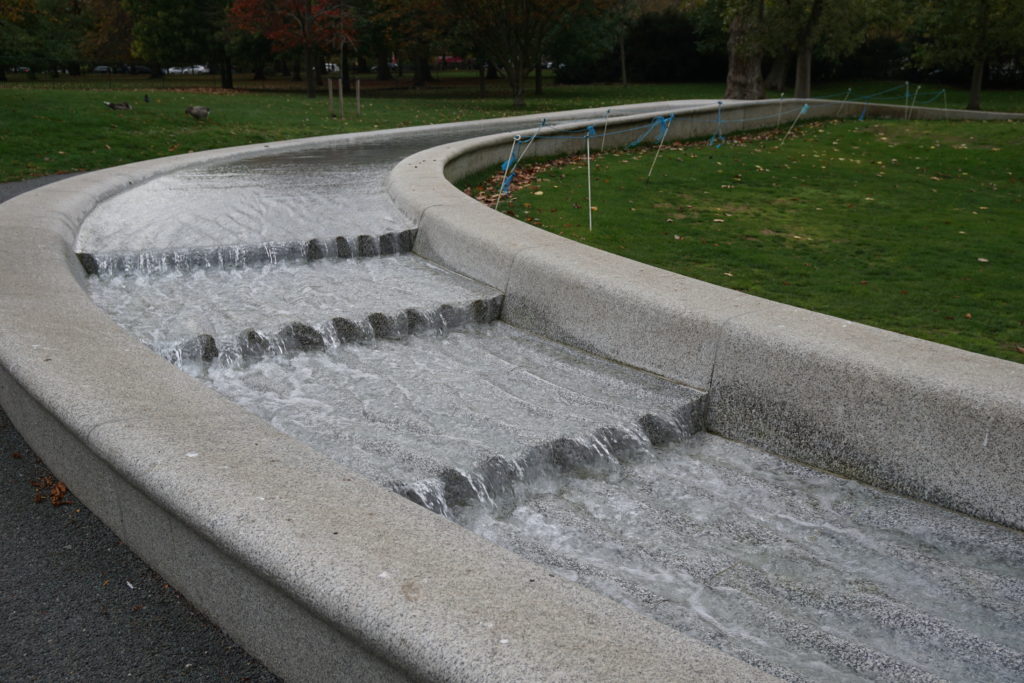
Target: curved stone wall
[918,418]
[318,572]
[324,575]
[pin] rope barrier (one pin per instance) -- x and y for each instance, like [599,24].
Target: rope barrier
[590,195]
[664,132]
[803,110]
[663,122]
[717,138]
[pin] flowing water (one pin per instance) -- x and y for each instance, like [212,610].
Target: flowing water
[262,279]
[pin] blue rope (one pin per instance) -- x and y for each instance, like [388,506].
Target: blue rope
[717,138]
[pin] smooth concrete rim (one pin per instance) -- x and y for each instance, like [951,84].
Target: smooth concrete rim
[316,571]
[921,419]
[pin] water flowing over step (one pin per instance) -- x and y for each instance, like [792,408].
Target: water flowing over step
[186,260]
[335,297]
[805,575]
[587,467]
[311,194]
[426,409]
[500,483]
[297,337]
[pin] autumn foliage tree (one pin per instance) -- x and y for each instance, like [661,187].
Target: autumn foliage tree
[309,25]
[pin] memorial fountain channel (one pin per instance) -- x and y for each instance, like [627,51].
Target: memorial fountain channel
[286,282]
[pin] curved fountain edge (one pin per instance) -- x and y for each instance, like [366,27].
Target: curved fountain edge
[922,419]
[316,571]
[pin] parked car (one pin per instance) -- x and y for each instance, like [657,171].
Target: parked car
[101,69]
[194,69]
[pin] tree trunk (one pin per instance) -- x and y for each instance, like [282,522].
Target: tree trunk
[310,70]
[805,50]
[622,57]
[346,74]
[421,67]
[744,80]
[977,74]
[482,68]
[538,80]
[802,87]
[516,76]
[227,76]
[775,81]
[383,65]
[307,50]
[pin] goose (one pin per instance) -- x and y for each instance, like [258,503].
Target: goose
[196,112]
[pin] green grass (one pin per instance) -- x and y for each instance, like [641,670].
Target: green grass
[912,227]
[59,125]
[50,127]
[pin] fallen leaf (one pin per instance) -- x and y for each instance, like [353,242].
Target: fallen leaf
[968,316]
[982,260]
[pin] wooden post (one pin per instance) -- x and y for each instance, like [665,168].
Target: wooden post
[359,106]
[341,100]
[330,96]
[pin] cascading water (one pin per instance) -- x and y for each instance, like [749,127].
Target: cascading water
[399,370]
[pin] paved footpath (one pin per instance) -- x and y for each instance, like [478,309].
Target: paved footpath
[75,603]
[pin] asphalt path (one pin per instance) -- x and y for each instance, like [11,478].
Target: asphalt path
[76,604]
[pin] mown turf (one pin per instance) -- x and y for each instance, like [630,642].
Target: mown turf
[912,227]
[56,128]
[59,125]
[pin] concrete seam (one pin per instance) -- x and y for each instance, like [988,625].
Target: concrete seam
[419,219]
[714,363]
[512,266]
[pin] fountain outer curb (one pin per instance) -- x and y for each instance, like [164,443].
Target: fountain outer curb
[925,420]
[318,572]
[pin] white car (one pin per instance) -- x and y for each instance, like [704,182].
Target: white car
[194,69]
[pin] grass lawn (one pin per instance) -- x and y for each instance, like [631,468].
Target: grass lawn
[912,227]
[59,125]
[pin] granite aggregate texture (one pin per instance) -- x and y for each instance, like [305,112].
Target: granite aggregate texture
[78,604]
[318,571]
[917,418]
[321,572]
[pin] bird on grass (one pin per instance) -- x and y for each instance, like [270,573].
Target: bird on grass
[198,113]
[118,106]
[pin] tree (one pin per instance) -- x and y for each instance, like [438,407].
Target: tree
[516,32]
[624,14]
[40,34]
[167,31]
[108,36]
[784,30]
[971,33]
[308,25]
[414,27]
[832,28]
[747,23]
